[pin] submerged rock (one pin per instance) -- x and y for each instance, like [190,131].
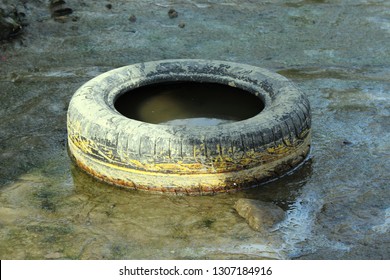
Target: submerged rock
[259,215]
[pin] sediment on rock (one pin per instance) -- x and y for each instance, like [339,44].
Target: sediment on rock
[259,215]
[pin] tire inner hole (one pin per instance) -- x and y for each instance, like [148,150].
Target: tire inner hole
[188,103]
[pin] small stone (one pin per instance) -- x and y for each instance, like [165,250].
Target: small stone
[109,6]
[172,13]
[8,27]
[53,256]
[347,142]
[259,215]
[59,10]
[182,25]
[133,18]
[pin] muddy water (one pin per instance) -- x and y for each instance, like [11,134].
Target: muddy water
[77,217]
[336,204]
[188,103]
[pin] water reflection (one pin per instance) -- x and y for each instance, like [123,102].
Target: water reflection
[74,216]
[167,226]
[189,103]
[285,190]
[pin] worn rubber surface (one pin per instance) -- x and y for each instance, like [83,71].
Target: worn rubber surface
[188,159]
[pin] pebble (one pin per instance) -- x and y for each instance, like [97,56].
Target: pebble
[172,13]
[59,10]
[8,27]
[53,256]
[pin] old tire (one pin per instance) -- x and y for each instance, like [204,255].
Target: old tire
[163,158]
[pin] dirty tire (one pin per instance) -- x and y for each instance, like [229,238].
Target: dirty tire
[184,159]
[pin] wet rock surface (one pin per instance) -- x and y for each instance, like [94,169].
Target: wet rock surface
[260,215]
[9,27]
[59,9]
[12,20]
[336,204]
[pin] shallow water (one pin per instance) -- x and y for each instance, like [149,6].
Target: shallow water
[337,203]
[188,103]
[197,122]
[78,217]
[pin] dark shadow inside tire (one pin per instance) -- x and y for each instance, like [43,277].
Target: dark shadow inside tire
[189,103]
